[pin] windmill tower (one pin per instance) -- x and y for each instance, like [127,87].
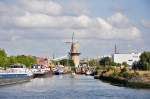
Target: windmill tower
[74,52]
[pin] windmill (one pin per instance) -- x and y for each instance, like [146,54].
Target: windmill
[74,51]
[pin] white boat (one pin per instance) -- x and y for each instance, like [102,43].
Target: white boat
[73,73]
[16,71]
[88,72]
[38,69]
[59,70]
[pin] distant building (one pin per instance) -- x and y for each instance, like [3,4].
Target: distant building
[43,61]
[128,58]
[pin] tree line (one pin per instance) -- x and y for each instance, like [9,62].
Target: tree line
[143,63]
[6,60]
[64,62]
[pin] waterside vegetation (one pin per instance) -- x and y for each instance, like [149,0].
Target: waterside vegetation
[6,60]
[120,74]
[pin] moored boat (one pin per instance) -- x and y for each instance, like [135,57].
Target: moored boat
[16,71]
[15,74]
[88,72]
[38,70]
[58,70]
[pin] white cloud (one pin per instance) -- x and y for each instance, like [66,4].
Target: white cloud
[46,21]
[146,24]
[104,24]
[101,28]
[78,8]
[119,20]
[45,15]
[42,6]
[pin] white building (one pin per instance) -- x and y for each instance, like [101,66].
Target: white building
[128,58]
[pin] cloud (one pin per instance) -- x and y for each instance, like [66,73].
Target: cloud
[103,24]
[32,26]
[31,17]
[42,6]
[46,21]
[21,7]
[146,24]
[78,8]
[119,20]
[113,27]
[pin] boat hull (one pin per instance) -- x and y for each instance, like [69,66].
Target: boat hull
[12,78]
[15,75]
[58,73]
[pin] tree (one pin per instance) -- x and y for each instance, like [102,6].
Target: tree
[93,62]
[66,62]
[3,61]
[3,58]
[106,61]
[26,60]
[22,59]
[3,53]
[145,60]
[11,60]
[125,64]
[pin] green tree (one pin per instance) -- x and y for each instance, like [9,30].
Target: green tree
[3,53]
[145,60]
[3,61]
[11,60]
[125,64]
[106,61]
[3,58]
[66,62]
[26,60]
[22,59]
[93,62]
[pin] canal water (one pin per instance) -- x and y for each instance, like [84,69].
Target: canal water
[66,87]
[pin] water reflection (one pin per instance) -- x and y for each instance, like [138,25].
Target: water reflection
[66,87]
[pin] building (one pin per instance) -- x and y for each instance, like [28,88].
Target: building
[128,58]
[74,53]
[43,61]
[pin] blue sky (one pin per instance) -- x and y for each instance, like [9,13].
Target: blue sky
[41,27]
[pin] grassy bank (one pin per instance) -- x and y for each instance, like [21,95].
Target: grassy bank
[125,77]
[124,82]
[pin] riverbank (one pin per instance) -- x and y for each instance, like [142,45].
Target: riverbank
[123,82]
[126,78]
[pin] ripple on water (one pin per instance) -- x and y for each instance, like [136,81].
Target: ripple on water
[65,87]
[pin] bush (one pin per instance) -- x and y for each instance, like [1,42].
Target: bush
[128,75]
[115,74]
[123,70]
[109,68]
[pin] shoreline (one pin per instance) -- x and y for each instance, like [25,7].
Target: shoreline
[123,82]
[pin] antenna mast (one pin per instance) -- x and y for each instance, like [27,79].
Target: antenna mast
[115,49]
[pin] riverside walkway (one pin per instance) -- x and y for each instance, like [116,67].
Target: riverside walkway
[67,87]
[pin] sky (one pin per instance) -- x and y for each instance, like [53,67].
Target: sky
[41,27]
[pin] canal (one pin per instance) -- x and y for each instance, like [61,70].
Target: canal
[66,87]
